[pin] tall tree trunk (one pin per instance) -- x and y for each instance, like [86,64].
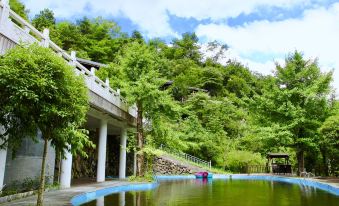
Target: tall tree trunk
[138,199]
[42,175]
[140,141]
[300,157]
[325,163]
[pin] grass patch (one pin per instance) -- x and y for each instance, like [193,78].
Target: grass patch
[212,169]
[148,177]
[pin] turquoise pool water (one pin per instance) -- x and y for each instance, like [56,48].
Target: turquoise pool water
[236,192]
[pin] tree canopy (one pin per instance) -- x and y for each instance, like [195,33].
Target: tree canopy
[221,112]
[40,91]
[297,101]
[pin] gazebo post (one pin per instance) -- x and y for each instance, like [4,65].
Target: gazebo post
[269,164]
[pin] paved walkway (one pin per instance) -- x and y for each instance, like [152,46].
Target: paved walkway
[334,181]
[63,197]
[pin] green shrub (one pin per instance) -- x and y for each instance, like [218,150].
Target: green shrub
[148,177]
[236,160]
[25,185]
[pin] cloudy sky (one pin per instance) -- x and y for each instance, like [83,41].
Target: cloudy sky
[258,32]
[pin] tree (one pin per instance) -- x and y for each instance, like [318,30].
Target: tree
[329,142]
[95,39]
[295,100]
[19,8]
[45,19]
[218,51]
[137,74]
[187,48]
[40,91]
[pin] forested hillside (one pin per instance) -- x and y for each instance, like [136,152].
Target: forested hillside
[220,112]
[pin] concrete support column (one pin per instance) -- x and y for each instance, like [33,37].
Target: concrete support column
[3,155]
[102,151]
[66,171]
[122,160]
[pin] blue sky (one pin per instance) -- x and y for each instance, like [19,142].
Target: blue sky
[258,32]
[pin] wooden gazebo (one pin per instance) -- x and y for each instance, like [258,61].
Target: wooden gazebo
[277,168]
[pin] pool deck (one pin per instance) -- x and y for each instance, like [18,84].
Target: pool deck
[331,181]
[63,197]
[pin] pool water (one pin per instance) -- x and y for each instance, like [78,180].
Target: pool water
[197,192]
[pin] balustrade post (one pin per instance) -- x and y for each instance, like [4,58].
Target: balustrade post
[26,29]
[107,82]
[45,41]
[73,58]
[4,14]
[93,71]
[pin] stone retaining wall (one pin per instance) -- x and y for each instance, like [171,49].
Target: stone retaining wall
[165,166]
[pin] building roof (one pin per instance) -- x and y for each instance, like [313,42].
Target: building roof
[89,63]
[278,155]
[194,89]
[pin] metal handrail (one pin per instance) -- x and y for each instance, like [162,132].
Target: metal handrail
[307,174]
[186,156]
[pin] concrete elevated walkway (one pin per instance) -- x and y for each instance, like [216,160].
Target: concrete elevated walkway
[109,114]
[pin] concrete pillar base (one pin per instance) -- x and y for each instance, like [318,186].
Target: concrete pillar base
[122,159]
[66,171]
[102,151]
[3,155]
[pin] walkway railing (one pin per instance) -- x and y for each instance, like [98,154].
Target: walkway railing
[186,156]
[248,169]
[18,30]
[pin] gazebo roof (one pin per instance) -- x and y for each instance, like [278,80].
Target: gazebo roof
[277,155]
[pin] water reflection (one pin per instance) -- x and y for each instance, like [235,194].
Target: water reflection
[202,192]
[122,196]
[100,201]
[203,181]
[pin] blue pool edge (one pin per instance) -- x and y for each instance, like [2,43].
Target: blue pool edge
[304,182]
[89,196]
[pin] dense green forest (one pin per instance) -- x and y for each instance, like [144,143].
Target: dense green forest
[220,112]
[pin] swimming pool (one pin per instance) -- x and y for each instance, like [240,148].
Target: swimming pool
[222,190]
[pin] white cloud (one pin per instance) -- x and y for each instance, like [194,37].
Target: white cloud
[265,67]
[222,9]
[152,15]
[316,34]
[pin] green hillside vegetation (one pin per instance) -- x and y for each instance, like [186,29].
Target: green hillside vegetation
[220,112]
